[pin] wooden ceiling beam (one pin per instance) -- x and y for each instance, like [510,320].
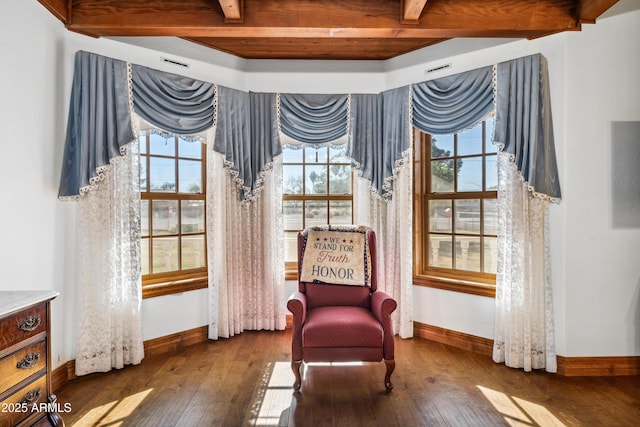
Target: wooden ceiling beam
[58,8]
[233,11]
[589,10]
[322,18]
[324,29]
[411,10]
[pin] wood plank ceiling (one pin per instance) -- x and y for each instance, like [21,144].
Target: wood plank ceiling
[324,29]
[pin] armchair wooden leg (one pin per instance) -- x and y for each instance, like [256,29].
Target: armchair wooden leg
[391,365]
[295,367]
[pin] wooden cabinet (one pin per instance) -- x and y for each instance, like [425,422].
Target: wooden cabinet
[25,360]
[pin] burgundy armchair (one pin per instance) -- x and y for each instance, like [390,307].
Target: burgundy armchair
[341,323]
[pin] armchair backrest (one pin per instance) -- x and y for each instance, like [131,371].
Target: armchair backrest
[323,294]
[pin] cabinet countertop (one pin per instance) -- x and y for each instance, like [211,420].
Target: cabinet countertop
[12,301]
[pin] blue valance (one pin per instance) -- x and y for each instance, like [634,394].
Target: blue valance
[314,119]
[523,126]
[451,104]
[248,124]
[174,103]
[99,123]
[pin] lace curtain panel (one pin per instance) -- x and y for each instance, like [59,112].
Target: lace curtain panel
[527,181]
[524,331]
[393,227]
[245,247]
[109,292]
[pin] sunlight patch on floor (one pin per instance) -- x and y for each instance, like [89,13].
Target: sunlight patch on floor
[113,413]
[520,412]
[272,399]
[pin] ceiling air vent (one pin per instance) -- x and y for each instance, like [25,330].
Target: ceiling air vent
[174,62]
[439,68]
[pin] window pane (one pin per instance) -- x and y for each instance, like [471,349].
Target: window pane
[143,173]
[338,154]
[142,139]
[490,216]
[165,254]
[165,217]
[144,249]
[292,154]
[193,252]
[440,251]
[144,217]
[489,145]
[441,146]
[470,141]
[442,176]
[189,148]
[467,216]
[158,144]
[315,213]
[173,225]
[340,212]
[292,214]
[291,246]
[316,179]
[470,174]
[468,253]
[492,173]
[440,216]
[192,212]
[162,173]
[292,179]
[490,255]
[190,177]
[315,155]
[340,179]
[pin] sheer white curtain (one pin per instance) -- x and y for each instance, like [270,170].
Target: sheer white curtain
[392,222]
[245,253]
[524,331]
[109,291]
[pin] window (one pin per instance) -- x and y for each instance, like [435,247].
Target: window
[172,212]
[455,210]
[317,190]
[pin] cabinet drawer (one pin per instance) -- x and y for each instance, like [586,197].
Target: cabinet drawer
[22,363]
[20,326]
[20,405]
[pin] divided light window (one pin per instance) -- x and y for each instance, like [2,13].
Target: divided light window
[455,210]
[172,179]
[317,190]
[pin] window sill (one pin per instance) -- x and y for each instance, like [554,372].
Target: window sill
[176,286]
[291,274]
[291,270]
[485,288]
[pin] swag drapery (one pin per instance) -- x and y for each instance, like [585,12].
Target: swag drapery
[99,137]
[527,181]
[247,145]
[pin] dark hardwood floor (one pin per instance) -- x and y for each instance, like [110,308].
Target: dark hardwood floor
[246,380]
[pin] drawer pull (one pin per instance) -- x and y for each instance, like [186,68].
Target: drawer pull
[29,324]
[29,361]
[30,397]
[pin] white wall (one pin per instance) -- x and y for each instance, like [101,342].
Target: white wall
[602,268]
[593,79]
[34,243]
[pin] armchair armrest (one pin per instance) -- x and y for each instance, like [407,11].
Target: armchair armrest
[297,305]
[382,305]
